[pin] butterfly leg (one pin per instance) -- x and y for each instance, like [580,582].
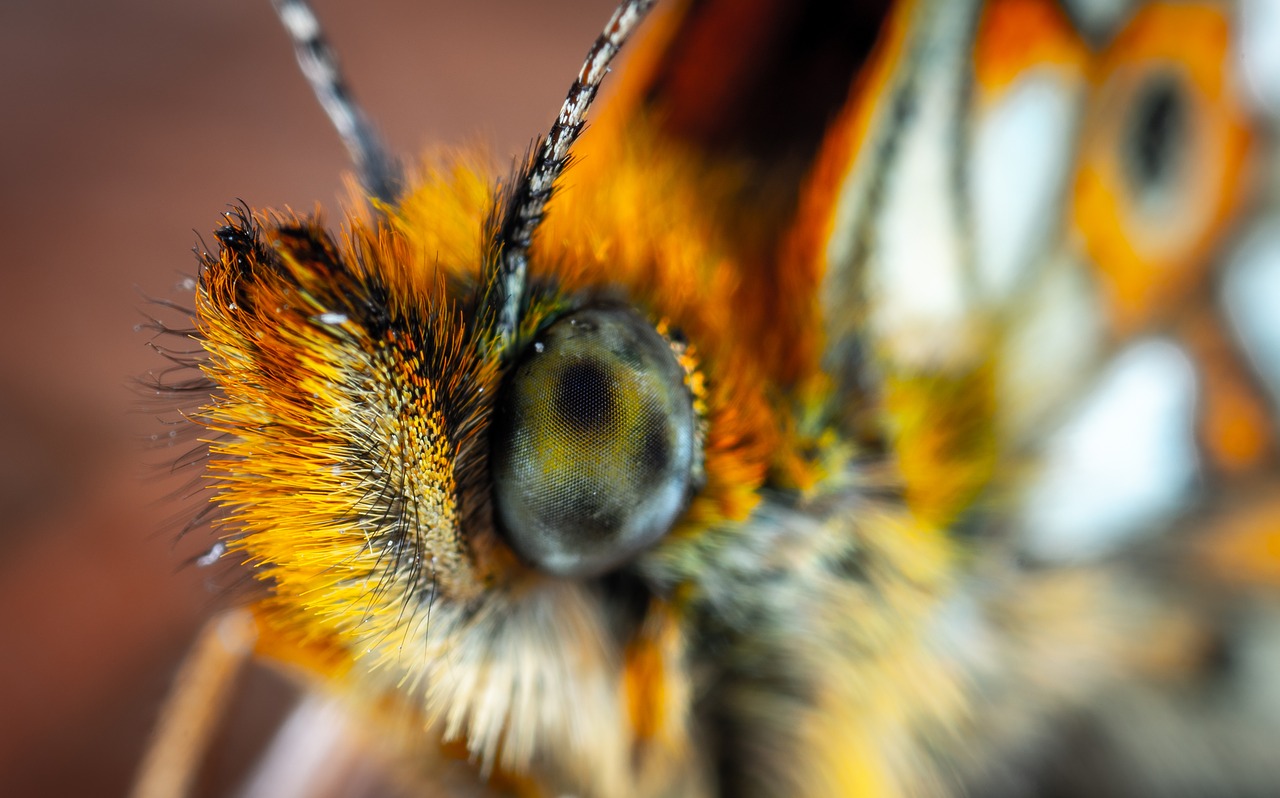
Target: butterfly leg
[195,706]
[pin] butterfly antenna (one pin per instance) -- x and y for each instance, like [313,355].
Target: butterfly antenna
[379,173]
[525,205]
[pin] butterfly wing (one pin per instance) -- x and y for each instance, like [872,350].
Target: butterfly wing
[1025,232]
[1028,245]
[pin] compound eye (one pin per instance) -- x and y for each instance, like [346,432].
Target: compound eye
[594,442]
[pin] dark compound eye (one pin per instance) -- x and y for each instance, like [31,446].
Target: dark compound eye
[594,441]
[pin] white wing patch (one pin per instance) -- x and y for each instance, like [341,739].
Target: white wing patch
[1259,32]
[918,273]
[1022,152]
[1125,462]
[1251,292]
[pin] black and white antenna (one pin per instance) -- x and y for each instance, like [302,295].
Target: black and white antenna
[524,206]
[378,172]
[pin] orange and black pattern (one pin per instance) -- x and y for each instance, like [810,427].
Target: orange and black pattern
[890,410]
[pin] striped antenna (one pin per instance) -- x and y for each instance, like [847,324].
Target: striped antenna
[525,205]
[378,172]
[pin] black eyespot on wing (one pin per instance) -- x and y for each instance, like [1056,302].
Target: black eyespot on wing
[1156,136]
[594,443]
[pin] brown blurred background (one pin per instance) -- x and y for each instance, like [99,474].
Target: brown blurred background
[127,128]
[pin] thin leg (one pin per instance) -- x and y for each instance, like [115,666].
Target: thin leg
[195,706]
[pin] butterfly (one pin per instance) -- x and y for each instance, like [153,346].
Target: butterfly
[875,400]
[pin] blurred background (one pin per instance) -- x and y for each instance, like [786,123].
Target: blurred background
[128,127]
